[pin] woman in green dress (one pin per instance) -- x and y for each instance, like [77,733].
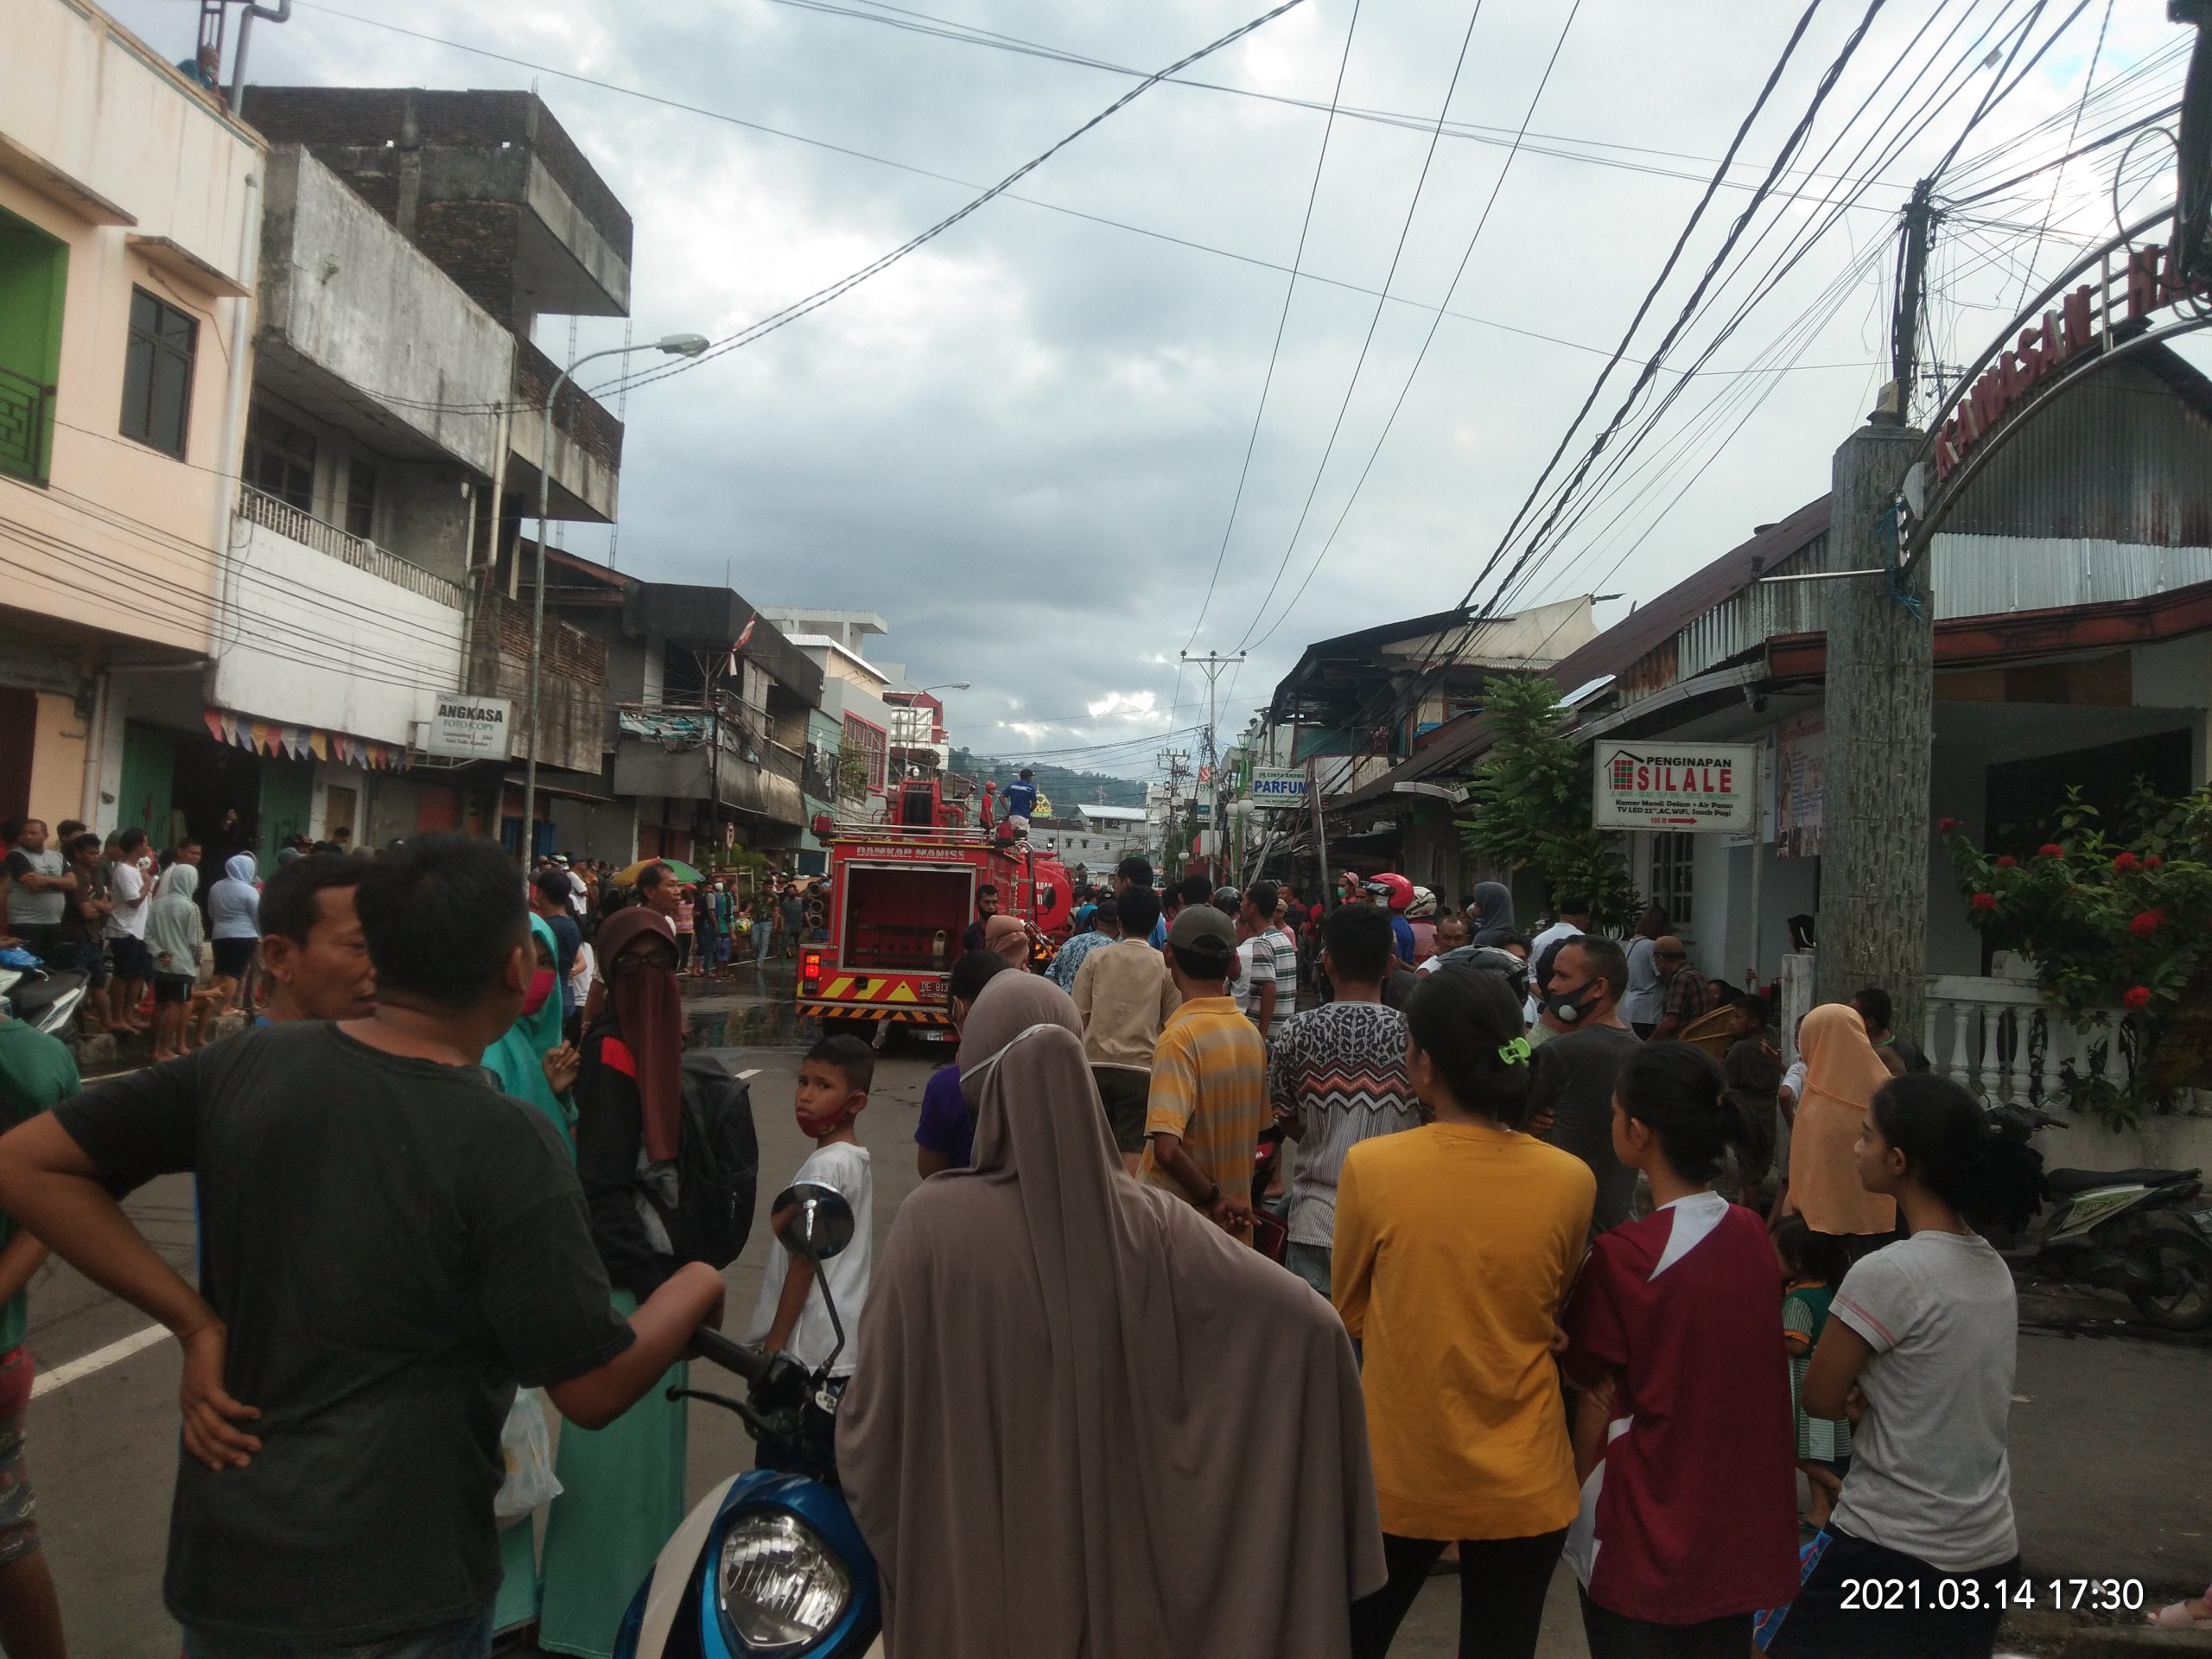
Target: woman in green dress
[533,1064]
[622,1486]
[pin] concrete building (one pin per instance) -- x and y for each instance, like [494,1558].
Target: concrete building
[1356,706]
[372,441]
[129,210]
[705,742]
[1091,840]
[488,189]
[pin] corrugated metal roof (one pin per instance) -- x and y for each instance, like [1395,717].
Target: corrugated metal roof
[1997,576]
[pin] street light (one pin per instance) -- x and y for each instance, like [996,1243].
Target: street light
[949,685]
[675,345]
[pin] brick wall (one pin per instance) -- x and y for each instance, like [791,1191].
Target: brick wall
[570,653]
[474,242]
[581,416]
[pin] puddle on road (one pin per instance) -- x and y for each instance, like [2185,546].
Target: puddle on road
[762,1025]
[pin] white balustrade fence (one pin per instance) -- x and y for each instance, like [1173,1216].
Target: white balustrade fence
[1997,1037]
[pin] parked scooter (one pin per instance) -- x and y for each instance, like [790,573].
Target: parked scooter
[768,1563]
[2147,1232]
[47,998]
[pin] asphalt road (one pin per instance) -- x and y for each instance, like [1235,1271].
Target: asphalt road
[2112,1467]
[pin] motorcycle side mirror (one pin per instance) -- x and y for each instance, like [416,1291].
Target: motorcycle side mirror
[811,1220]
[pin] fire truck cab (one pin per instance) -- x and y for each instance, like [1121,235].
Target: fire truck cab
[902,892]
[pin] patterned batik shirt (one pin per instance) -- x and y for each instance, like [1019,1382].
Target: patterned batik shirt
[1340,1070]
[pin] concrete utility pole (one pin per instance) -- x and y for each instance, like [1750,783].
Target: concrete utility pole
[1880,709]
[1213,663]
[1880,719]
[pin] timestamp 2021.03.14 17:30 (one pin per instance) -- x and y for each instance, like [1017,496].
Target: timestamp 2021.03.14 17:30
[1967,1593]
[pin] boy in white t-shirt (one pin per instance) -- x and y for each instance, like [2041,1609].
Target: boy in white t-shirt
[791,1315]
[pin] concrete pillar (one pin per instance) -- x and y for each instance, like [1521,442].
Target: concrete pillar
[1880,715]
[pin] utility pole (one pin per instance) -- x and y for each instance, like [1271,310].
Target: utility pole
[1880,702]
[1912,295]
[1175,760]
[1213,663]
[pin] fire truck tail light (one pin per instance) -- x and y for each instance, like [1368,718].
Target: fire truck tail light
[810,968]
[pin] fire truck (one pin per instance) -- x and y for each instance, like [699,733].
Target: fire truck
[902,892]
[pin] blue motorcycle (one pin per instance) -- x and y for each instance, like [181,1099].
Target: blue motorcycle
[768,1564]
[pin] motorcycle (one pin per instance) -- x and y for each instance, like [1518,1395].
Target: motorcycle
[47,998]
[768,1563]
[2143,1231]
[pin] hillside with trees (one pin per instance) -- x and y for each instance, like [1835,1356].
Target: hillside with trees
[1066,788]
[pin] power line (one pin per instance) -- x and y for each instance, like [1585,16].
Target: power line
[1283,321]
[1375,318]
[844,285]
[1467,253]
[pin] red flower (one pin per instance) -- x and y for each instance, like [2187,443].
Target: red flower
[2125,862]
[2147,923]
[2152,861]
[2051,850]
[1944,826]
[2007,862]
[2138,996]
[1985,901]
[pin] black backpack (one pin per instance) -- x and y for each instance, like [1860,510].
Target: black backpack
[717,1167]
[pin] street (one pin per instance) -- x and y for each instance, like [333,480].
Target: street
[2112,1477]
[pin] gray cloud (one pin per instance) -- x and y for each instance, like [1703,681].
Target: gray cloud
[1020,444]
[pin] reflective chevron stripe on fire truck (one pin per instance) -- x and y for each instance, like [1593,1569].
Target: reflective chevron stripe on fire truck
[916,1016]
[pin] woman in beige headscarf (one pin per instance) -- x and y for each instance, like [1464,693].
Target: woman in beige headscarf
[1842,1071]
[1090,1423]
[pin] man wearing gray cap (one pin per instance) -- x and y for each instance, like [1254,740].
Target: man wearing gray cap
[1209,1099]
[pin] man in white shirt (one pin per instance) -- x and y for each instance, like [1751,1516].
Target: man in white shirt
[126,931]
[1573,921]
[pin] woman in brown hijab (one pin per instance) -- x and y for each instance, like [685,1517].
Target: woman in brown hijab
[1090,1423]
[1842,1073]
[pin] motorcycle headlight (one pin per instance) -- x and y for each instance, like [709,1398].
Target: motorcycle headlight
[780,1585]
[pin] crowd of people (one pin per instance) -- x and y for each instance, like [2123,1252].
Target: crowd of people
[1409,1271]
[1605,1304]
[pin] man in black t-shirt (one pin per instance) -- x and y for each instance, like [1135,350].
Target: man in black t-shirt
[389,1246]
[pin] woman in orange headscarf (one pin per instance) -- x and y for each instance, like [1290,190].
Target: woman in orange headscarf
[1842,1071]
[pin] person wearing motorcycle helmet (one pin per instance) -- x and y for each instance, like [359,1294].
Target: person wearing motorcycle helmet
[1488,959]
[1420,916]
[1394,892]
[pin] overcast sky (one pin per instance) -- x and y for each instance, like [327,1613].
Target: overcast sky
[1021,444]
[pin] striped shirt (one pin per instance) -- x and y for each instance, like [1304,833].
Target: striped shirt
[1285,980]
[1210,1087]
[1340,1071]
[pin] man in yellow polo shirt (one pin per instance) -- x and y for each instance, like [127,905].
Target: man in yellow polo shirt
[1209,1099]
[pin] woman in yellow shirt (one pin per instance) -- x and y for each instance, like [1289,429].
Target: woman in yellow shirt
[1455,1245]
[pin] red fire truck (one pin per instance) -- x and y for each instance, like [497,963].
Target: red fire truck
[902,892]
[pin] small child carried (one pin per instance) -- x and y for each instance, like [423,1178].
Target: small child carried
[1812,1265]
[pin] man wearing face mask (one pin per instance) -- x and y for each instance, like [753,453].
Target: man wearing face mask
[1575,1070]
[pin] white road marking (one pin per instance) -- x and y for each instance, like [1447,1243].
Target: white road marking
[749,1073]
[98,1360]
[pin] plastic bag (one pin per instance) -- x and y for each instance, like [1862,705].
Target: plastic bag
[528,1451]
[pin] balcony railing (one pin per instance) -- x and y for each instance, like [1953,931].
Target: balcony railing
[286,520]
[26,421]
[1996,1036]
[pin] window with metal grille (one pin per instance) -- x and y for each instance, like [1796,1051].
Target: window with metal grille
[157,373]
[868,738]
[1673,856]
[280,458]
[360,499]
